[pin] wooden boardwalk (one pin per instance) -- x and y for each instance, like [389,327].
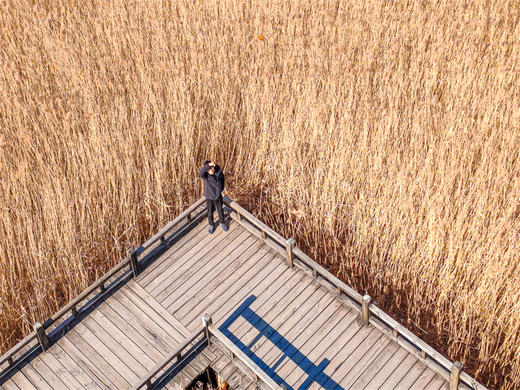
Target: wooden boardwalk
[291,322]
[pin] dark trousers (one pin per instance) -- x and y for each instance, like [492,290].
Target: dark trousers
[212,205]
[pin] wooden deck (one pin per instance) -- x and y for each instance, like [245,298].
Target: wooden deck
[288,321]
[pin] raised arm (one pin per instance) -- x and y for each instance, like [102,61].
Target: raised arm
[204,170]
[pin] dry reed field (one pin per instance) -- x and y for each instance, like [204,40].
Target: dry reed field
[383,135]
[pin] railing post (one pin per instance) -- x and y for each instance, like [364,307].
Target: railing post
[206,321]
[134,264]
[289,245]
[41,335]
[455,375]
[365,309]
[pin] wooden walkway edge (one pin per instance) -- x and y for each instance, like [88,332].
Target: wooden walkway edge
[280,317]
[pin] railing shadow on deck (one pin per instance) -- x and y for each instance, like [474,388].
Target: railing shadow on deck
[98,298]
[315,373]
[174,369]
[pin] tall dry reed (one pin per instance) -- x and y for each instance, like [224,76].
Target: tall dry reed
[383,136]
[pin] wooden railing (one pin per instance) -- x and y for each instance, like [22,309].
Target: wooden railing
[131,262]
[209,330]
[369,312]
[176,354]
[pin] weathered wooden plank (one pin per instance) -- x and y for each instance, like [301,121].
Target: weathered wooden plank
[139,291]
[21,381]
[117,349]
[190,372]
[215,286]
[106,353]
[436,383]
[237,292]
[35,377]
[314,349]
[376,365]
[74,369]
[168,324]
[238,380]
[387,369]
[123,304]
[399,372]
[197,364]
[312,334]
[424,379]
[292,320]
[223,255]
[272,302]
[255,286]
[82,360]
[207,303]
[352,361]
[47,374]
[134,329]
[350,339]
[219,365]
[205,243]
[228,370]
[293,326]
[364,361]
[444,386]
[254,386]
[247,288]
[142,324]
[124,340]
[95,363]
[171,255]
[192,263]
[206,274]
[411,376]
[202,360]
[10,385]
[60,372]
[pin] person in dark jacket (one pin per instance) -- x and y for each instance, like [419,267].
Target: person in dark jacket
[213,178]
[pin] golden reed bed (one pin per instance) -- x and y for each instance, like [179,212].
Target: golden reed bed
[383,135]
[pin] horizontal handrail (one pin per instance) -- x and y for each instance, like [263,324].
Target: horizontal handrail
[244,358]
[161,233]
[71,306]
[8,356]
[338,283]
[391,326]
[176,353]
[99,283]
[250,217]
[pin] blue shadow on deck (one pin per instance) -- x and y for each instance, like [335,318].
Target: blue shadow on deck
[314,372]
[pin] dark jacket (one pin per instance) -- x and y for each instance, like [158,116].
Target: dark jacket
[213,184]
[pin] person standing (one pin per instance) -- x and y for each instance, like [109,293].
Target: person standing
[213,178]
